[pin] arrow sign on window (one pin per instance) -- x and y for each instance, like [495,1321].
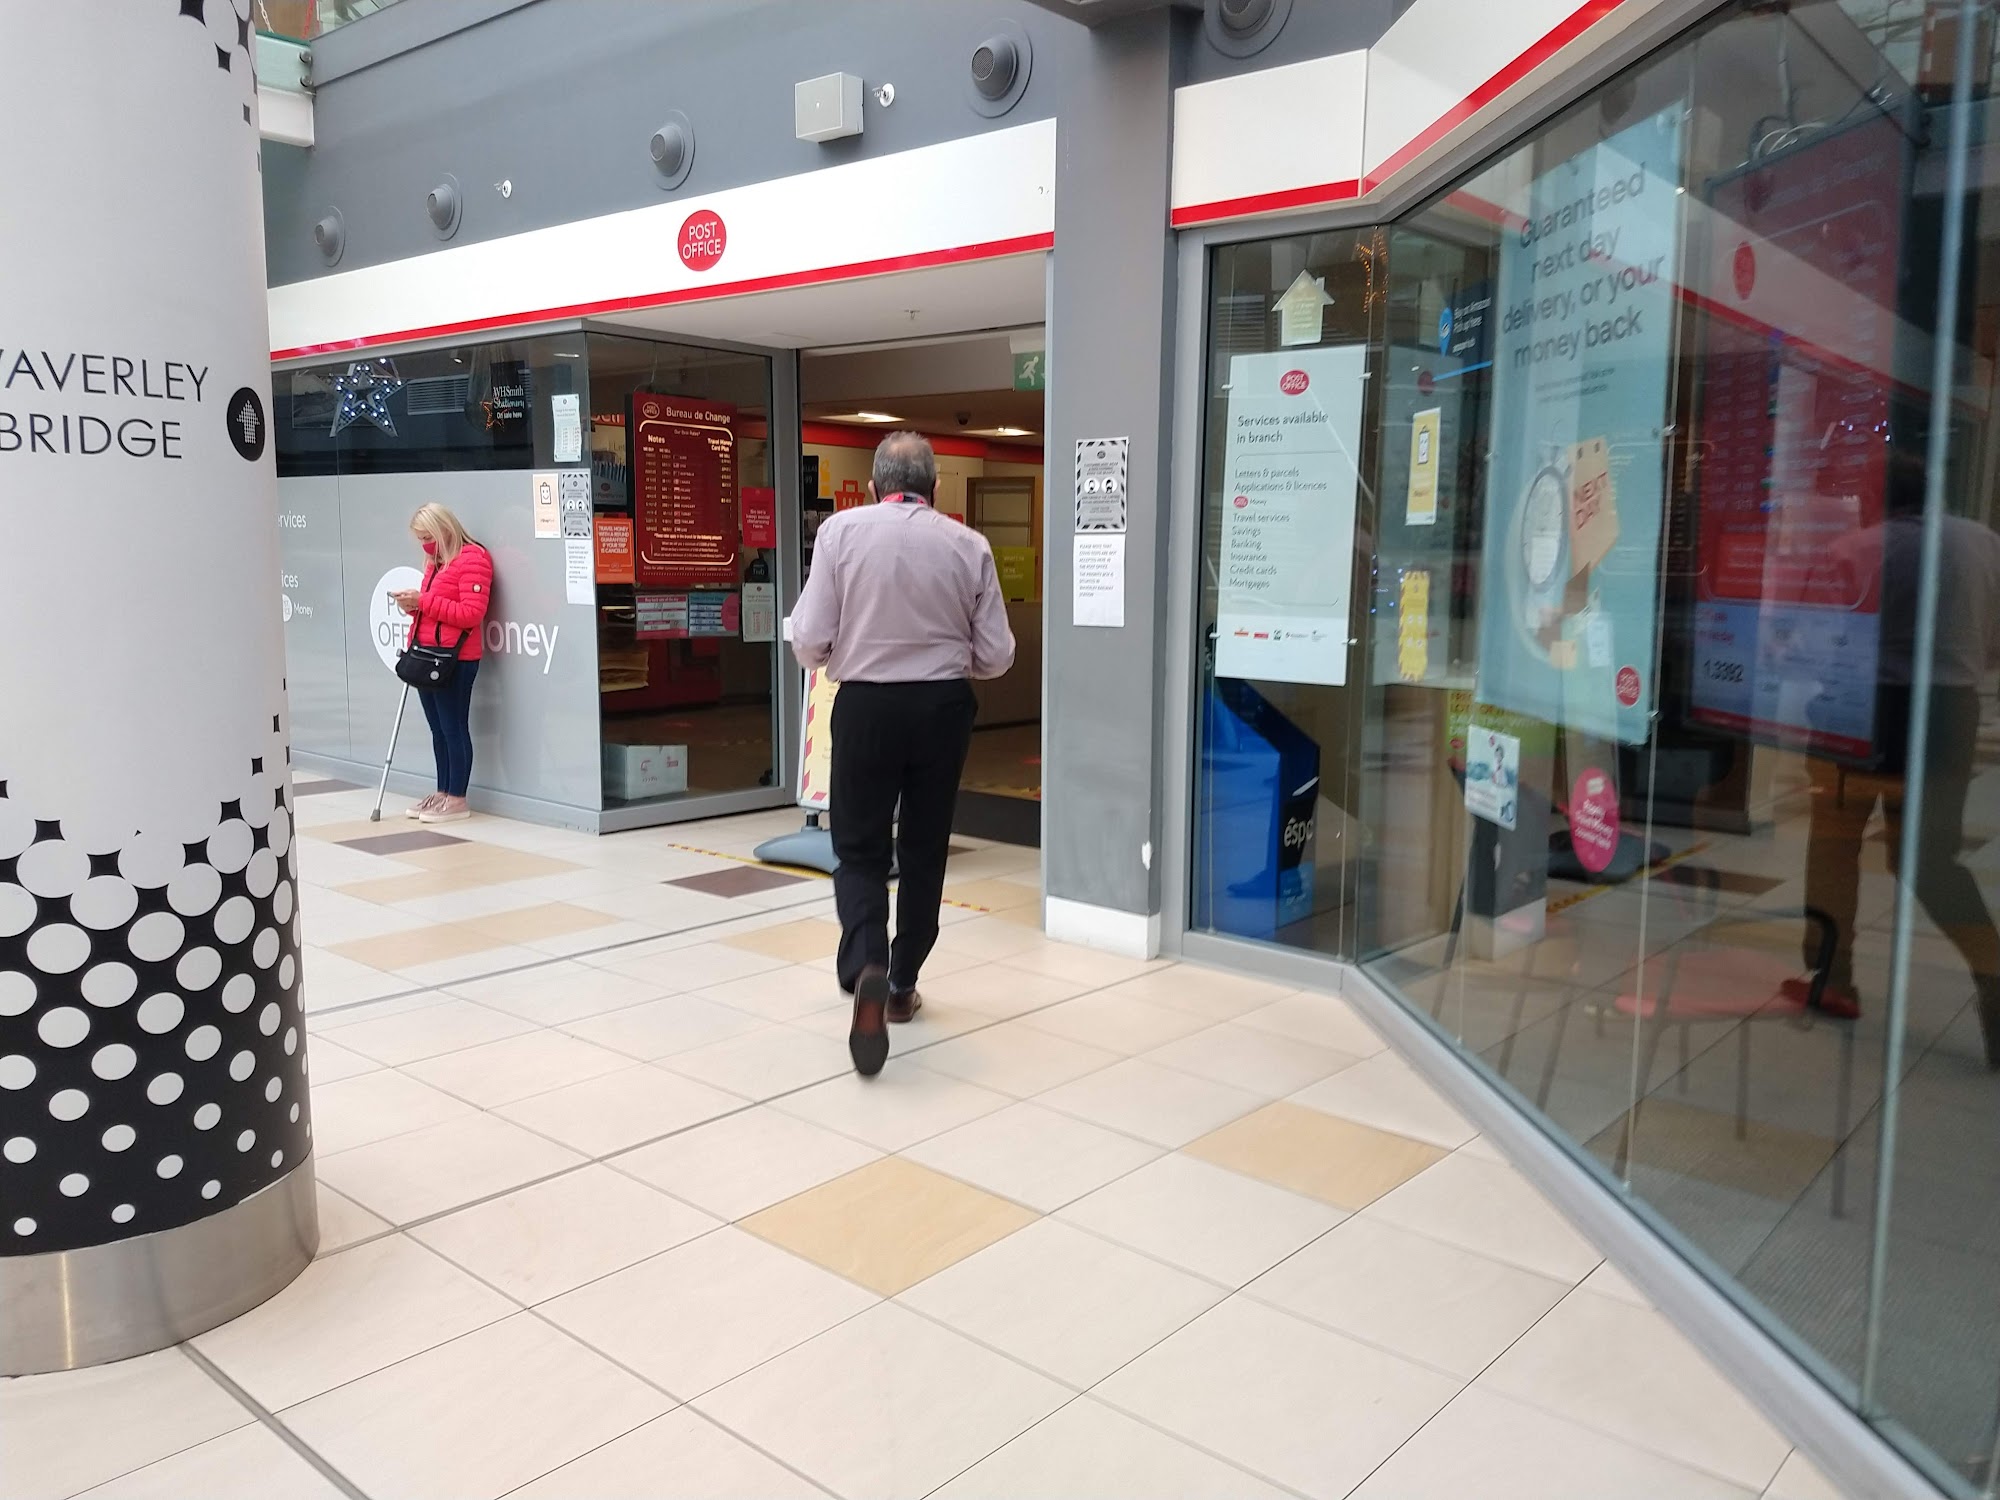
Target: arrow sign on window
[1300,308]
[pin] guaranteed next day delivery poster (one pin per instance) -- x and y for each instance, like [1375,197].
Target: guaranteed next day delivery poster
[1580,383]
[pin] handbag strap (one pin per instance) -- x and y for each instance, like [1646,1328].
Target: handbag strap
[417,631]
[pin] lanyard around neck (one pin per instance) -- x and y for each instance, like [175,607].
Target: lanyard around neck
[905,497]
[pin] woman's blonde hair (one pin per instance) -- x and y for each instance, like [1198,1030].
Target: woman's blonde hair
[442,527]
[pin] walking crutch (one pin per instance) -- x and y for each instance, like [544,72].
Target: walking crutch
[375,816]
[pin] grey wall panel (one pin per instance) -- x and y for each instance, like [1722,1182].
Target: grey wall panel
[315,613]
[560,97]
[535,706]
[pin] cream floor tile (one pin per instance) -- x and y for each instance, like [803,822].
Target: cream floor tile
[763,1064]
[479,1416]
[69,1431]
[563,1233]
[535,924]
[792,942]
[375,1106]
[894,1110]
[888,1225]
[1160,1105]
[821,1406]
[495,863]
[983,940]
[426,894]
[328,979]
[681,1456]
[786,994]
[1208,993]
[343,1222]
[1116,1022]
[1426,1300]
[1087,1451]
[1064,1302]
[405,952]
[1625,1371]
[1483,1148]
[329,1062]
[1087,966]
[332,922]
[515,1067]
[251,1463]
[1034,1155]
[443,1167]
[999,991]
[475,964]
[1015,1059]
[1323,1020]
[704,1313]
[1243,1057]
[1798,1479]
[349,1315]
[1300,1149]
[1608,1281]
[426,1031]
[992,893]
[1492,1210]
[1257,1387]
[620,1110]
[1387,1093]
[934,1023]
[737,1165]
[617,934]
[692,966]
[552,994]
[1497,1449]
[1205,1220]
[660,1028]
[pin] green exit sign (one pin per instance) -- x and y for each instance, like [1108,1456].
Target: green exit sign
[1031,371]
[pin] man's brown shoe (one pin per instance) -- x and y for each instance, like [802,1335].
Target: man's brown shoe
[904,1004]
[867,1036]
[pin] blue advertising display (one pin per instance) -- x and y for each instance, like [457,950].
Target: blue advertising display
[1581,364]
[1260,802]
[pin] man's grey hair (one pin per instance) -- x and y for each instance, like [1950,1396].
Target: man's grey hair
[905,465]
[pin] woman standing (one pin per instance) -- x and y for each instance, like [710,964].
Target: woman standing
[449,610]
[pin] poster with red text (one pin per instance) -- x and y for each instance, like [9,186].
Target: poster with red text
[684,493]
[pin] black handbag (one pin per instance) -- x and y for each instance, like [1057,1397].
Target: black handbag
[429,669]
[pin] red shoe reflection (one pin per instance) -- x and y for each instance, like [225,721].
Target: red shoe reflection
[1842,1004]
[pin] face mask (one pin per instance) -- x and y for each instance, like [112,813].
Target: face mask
[430,549]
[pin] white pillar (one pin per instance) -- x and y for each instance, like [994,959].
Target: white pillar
[155,1140]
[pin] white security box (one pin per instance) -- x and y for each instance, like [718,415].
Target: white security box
[826,109]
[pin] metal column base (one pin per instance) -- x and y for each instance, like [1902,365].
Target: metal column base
[70,1308]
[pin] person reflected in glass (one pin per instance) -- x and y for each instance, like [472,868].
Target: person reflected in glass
[1886,561]
[449,609]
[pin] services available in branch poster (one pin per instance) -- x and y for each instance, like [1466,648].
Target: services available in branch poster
[1582,359]
[1289,483]
[684,493]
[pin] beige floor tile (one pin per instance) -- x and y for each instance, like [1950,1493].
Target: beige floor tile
[553,994]
[1497,1449]
[983,940]
[620,1110]
[515,1067]
[532,924]
[343,1222]
[401,952]
[1034,1155]
[593,940]
[763,1064]
[1323,1020]
[785,994]
[661,1028]
[391,890]
[1000,991]
[681,1456]
[443,1167]
[425,1030]
[1799,1479]
[1087,966]
[1160,1105]
[1418,1297]
[1023,916]
[1087,1451]
[992,895]
[69,1431]
[794,942]
[1205,1220]
[1064,1302]
[1387,1093]
[704,1313]
[492,861]
[1255,1386]
[695,966]
[820,1407]
[1119,1023]
[375,1106]
[346,1316]
[329,1062]
[888,1225]
[1015,1058]
[1245,1058]
[474,965]
[1335,1161]
[1208,993]
[561,1234]
[894,1110]
[481,1415]
[1625,1371]
[1493,1210]
[251,1463]
[734,1166]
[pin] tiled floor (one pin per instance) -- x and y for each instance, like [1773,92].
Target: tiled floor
[605,1214]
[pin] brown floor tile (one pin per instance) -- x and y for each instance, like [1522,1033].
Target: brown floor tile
[1300,1149]
[993,895]
[407,842]
[530,924]
[1772,1161]
[738,880]
[421,945]
[795,942]
[889,1225]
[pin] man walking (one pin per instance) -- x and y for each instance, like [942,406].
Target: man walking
[903,608]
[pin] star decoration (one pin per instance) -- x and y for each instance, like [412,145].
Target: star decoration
[364,389]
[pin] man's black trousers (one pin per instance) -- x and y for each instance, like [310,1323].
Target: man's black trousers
[894,743]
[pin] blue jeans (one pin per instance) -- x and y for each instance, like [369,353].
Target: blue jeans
[450,715]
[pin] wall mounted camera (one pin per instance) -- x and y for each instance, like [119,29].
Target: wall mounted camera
[443,205]
[996,76]
[671,148]
[1243,28]
[330,236]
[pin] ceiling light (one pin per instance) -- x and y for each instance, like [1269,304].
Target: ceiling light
[866,416]
[1002,432]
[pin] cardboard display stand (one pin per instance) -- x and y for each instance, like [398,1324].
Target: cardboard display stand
[811,848]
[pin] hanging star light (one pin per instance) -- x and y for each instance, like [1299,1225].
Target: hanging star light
[364,389]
